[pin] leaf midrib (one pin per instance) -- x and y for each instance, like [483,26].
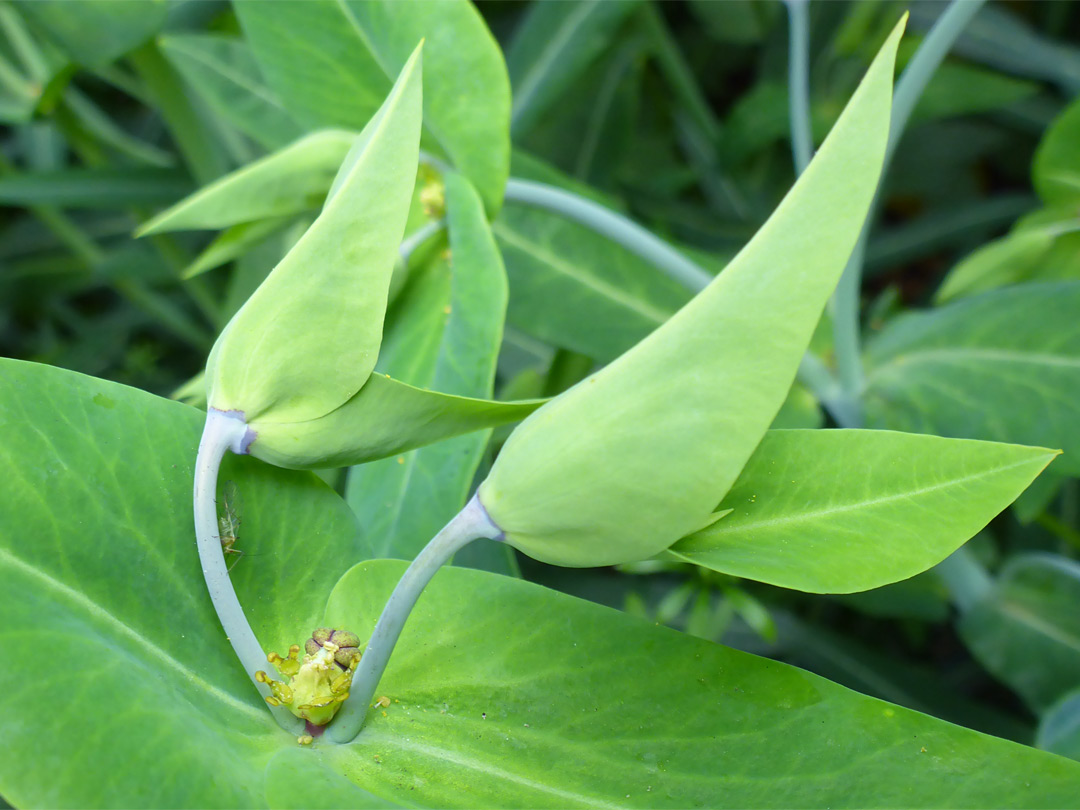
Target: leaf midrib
[731,527]
[98,612]
[607,291]
[960,354]
[434,752]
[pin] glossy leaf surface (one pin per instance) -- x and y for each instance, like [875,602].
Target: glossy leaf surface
[836,511]
[103,499]
[98,555]
[331,64]
[472,722]
[1003,366]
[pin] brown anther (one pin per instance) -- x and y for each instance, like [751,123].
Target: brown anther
[345,655]
[343,638]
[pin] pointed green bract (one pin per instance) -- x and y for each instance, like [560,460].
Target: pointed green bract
[836,511]
[291,180]
[384,418]
[307,339]
[640,454]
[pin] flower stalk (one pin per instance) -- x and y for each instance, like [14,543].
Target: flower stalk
[226,430]
[471,523]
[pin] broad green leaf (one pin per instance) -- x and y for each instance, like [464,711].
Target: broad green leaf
[1027,630]
[639,454]
[1062,262]
[578,290]
[307,339]
[97,555]
[289,181]
[837,511]
[878,671]
[593,708]
[93,188]
[554,44]
[331,64]
[445,336]
[1003,366]
[1005,261]
[1056,168]
[95,32]
[1059,729]
[385,418]
[224,73]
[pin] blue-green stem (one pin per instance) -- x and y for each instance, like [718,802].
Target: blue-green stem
[802,143]
[845,304]
[226,430]
[627,233]
[471,523]
[612,225]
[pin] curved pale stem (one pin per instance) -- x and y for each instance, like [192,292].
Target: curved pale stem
[224,431]
[471,523]
[845,304]
[802,143]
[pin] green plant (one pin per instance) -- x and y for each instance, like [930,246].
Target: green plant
[690,449]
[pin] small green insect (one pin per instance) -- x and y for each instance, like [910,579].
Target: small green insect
[229,521]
